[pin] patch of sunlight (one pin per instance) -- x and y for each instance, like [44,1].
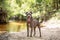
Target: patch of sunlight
[44,11]
[36,14]
[17,26]
[22,11]
[53,23]
[15,8]
[31,1]
[24,5]
[12,3]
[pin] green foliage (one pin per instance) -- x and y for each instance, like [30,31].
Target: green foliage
[39,1]
[38,7]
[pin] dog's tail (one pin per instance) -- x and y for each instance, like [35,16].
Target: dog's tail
[41,20]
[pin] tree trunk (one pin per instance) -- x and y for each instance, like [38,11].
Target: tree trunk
[57,4]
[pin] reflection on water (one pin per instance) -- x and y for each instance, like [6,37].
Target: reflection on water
[13,26]
[3,27]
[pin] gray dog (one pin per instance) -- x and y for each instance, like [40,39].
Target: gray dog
[32,23]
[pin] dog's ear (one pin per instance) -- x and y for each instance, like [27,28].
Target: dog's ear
[26,12]
[31,12]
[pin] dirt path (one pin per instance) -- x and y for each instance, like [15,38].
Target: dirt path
[50,32]
[47,34]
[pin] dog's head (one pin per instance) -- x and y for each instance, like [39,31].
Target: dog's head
[29,14]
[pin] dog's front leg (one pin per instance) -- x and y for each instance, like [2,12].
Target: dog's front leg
[27,30]
[31,31]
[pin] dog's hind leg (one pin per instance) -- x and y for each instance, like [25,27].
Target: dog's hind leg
[39,30]
[31,31]
[34,31]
